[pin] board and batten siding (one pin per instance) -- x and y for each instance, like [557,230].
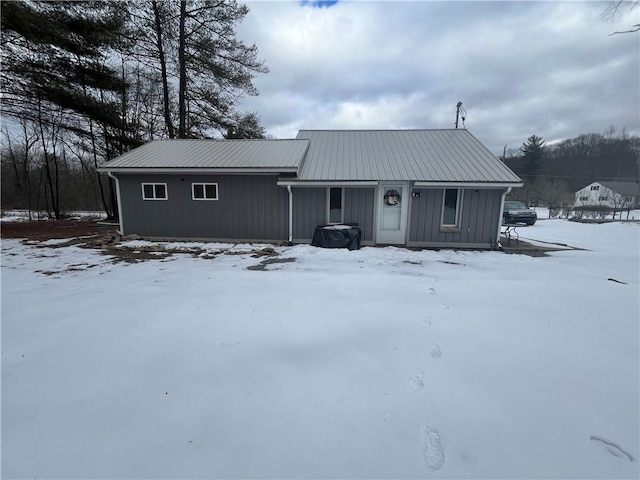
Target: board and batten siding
[358,208]
[310,210]
[249,207]
[480,214]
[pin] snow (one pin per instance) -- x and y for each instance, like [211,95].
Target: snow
[375,363]
[23,215]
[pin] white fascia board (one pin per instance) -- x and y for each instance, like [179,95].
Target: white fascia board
[187,171]
[465,185]
[336,183]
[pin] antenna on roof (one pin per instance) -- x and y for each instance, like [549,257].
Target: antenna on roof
[460,108]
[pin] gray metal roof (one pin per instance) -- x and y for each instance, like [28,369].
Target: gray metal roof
[623,187]
[421,155]
[202,154]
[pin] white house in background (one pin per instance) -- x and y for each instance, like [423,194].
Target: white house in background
[617,195]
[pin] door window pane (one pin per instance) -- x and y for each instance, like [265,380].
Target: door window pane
[392,208]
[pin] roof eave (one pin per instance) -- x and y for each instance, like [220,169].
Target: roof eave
[195,170]
[468,184]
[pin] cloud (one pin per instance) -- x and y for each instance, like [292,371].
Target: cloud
[520,68]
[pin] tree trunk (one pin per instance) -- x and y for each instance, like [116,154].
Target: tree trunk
[46,163]
[163,70]
[182,86]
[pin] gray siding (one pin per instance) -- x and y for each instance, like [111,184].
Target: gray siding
[358,208]
[480,215]
[250,207]
[309,211]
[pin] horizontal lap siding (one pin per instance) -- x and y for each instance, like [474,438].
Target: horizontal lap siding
[358,208]
[309,211]
[478,223]
[250,207]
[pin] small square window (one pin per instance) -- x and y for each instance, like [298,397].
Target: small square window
[204,191]
[154,191]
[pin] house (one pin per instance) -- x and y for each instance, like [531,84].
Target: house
[615,195]
[425,188]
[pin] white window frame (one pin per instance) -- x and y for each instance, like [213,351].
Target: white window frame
[458,208]
[204,185]
[329,222]
[166,191]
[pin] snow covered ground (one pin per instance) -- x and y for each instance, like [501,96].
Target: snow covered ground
[377,363]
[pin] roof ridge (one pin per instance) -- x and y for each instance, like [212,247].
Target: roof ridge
[380,129]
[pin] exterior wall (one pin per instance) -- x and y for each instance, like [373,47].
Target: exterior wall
[250,207]
[480,216]
[358,208]
[310,210]
[591,194]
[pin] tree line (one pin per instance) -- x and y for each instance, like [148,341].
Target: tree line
[551,174]
[83,82]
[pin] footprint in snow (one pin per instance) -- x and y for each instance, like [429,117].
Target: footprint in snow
[611,447]
[436,353]
[417,382]
[444,306]
[433,454]
[432,291]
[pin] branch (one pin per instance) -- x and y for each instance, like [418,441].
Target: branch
[635,28]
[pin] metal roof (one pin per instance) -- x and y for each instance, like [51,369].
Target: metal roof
[217,154]
[622,187]
[453,155]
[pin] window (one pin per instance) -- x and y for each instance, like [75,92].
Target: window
[603,198]
[595,187]
[154,191]
[335,205]
[451,207]
[628,199]
[204,191]
[584,199]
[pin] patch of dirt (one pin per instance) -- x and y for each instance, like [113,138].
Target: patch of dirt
[50,229]
[262,266]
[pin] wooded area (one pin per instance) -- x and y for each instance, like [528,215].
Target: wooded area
[553,173]
[83,82]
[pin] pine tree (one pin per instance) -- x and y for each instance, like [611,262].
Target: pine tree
[532,152]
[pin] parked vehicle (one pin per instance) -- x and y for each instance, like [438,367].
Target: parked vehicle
[518,212]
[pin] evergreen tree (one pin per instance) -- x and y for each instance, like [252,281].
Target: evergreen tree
[246,126]
[532,153]
[55,53]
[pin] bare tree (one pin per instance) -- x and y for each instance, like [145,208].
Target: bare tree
[613,11]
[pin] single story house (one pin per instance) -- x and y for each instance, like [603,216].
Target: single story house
[423,188]
[618,195]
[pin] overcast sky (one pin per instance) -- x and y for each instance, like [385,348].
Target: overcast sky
[519,68]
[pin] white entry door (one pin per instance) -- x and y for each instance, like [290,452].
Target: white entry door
[392,213]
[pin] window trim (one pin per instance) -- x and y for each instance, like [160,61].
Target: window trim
[154,184]
[456,225]
[329,222]
[204,184]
